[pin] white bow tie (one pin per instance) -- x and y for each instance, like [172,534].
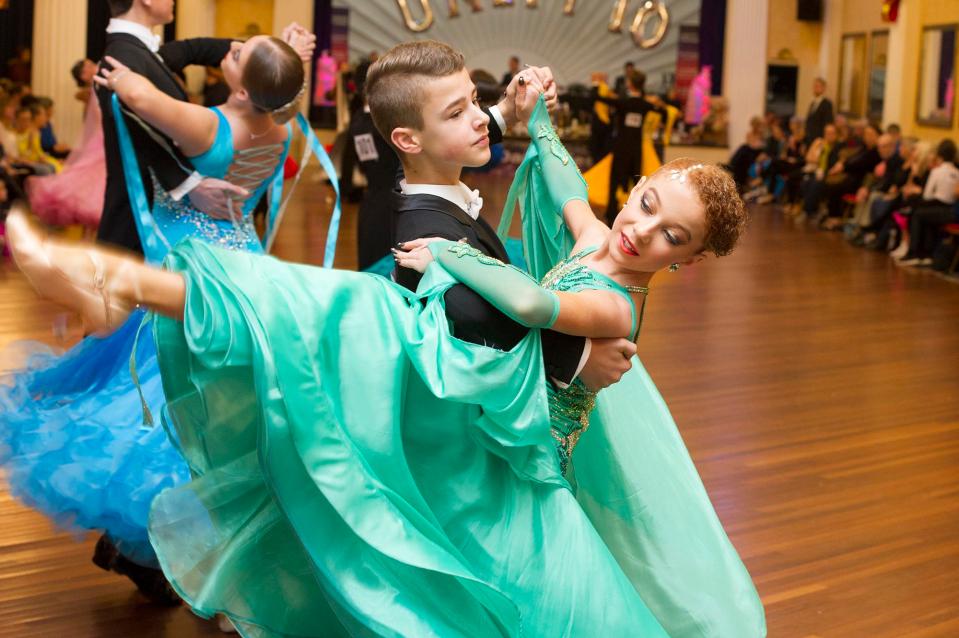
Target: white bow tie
[474,203]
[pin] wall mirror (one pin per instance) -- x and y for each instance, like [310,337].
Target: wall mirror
[878,51]
[937,76]
[852,74]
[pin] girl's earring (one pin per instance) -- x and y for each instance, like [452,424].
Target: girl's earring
[673,267]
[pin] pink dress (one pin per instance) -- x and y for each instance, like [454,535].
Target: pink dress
[75,194]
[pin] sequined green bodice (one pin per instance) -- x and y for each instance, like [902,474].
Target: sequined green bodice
[570,407]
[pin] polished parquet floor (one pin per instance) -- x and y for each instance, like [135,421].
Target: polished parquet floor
[816,386]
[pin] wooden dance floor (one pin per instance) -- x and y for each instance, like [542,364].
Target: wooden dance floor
[816,386]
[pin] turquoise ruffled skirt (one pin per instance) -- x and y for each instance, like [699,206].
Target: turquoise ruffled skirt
[361,472]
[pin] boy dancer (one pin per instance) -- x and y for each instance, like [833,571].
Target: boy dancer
[424,104]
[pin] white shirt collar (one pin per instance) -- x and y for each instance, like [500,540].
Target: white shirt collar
[459,194]
[141,32]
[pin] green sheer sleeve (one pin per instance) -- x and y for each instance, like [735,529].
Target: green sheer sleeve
[512,291]
[544,182]
[557,169]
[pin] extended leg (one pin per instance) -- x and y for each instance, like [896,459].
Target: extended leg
[102,285]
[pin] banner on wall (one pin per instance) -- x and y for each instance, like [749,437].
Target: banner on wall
[687,60]
[332,29]
[339,35]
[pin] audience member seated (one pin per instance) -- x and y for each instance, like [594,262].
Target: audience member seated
[843,133]
[781,162]
[29,153]
[888,196]
[936,209]
[745,156]
[847,176]
[43,121]
[884,178]
[823,154]
[890,230]
[8,136]
[789,167]
[895,132]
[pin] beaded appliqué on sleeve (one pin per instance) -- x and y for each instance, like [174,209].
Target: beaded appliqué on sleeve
[548,133]
[462,249]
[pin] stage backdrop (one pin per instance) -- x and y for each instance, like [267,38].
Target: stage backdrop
[573,46]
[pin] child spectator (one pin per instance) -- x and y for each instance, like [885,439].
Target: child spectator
[29,152]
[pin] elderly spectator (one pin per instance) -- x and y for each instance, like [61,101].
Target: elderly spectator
[885,176]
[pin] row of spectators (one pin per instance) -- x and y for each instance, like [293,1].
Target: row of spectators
[884,191]
[28,142]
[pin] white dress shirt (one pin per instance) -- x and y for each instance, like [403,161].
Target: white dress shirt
[459,194]
[942,182]
[500,121]
[139,31]
[471,203]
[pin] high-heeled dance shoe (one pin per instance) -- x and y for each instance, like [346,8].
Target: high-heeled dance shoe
[70,276]
[150,582]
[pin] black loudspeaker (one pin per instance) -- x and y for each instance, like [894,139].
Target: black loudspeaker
[809,10]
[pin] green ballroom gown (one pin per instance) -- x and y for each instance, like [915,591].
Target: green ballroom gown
[359,471]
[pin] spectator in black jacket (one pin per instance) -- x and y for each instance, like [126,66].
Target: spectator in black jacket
[885,176]
[846,176]
[820,111]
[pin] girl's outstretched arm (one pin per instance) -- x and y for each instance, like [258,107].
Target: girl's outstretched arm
[591,313]
[191,126]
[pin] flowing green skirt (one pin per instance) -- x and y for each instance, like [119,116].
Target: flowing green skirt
[359,471]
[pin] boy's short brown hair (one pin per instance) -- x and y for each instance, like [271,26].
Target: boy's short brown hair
[395,82]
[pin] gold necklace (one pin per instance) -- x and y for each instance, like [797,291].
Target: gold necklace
[254,136]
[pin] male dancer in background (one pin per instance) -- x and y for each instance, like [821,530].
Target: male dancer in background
[130,39]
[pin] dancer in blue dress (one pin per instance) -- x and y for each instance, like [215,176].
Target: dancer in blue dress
[78,437]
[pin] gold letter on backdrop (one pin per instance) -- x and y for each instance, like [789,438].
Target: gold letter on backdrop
[502,3]
[650,10]
[532,4]
[569,7]
[454,7]
[616,20]
[412,24]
